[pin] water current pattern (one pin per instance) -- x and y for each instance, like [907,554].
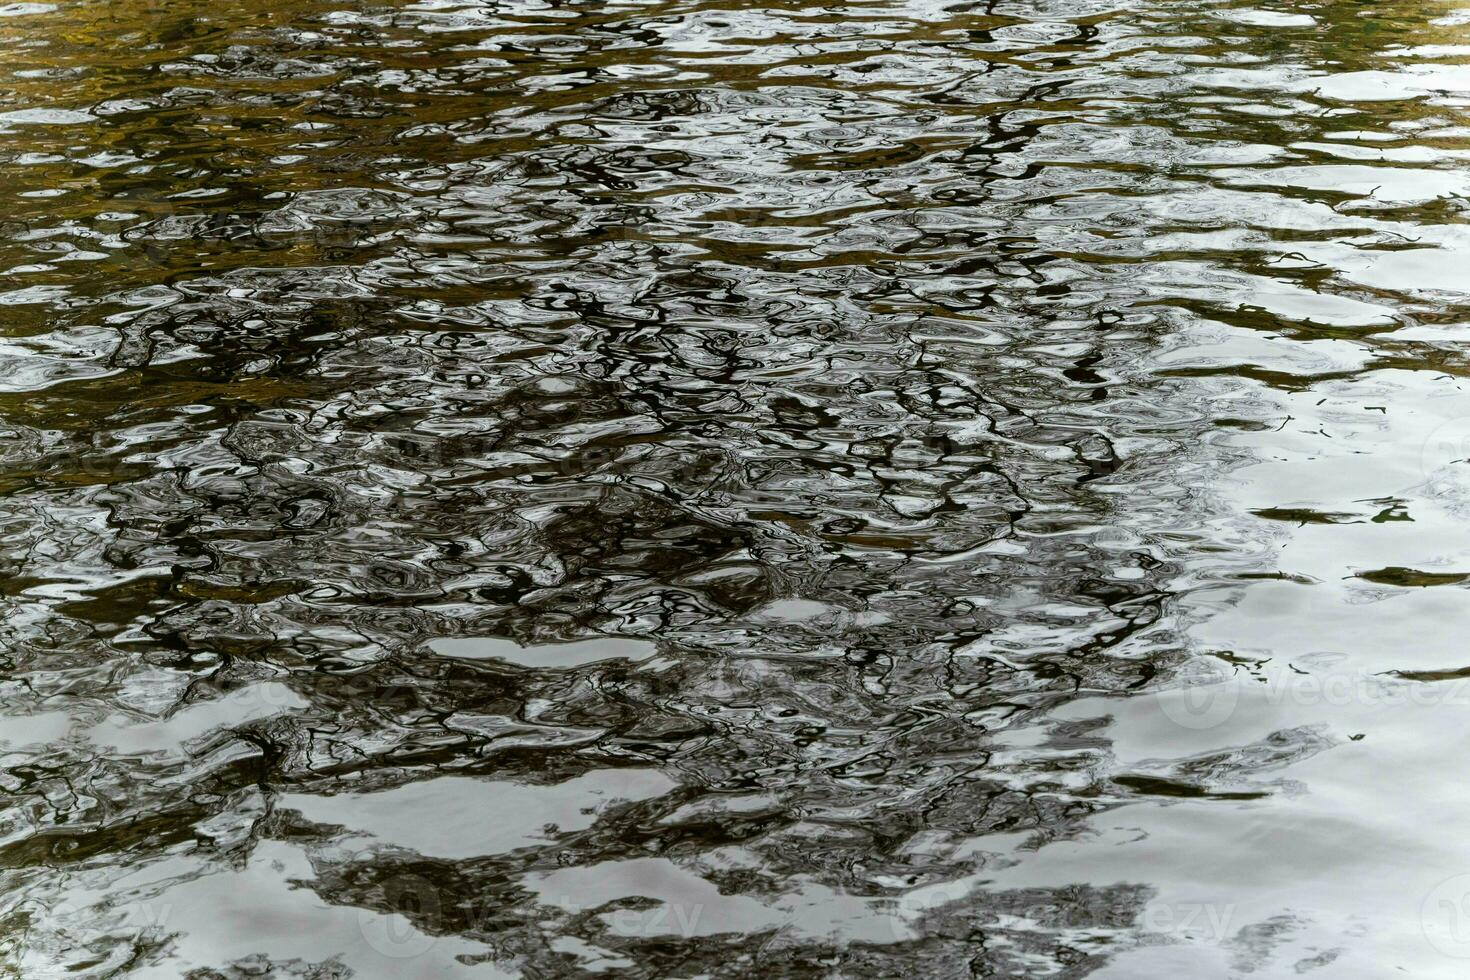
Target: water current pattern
[707,488]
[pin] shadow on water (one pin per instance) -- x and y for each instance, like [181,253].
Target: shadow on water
[674,488]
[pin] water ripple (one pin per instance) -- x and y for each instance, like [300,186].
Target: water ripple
[540,488]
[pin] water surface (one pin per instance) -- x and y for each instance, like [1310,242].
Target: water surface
[692,488]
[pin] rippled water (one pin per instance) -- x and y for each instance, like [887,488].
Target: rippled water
[684,488]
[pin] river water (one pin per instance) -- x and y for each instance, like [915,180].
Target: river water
[695,488]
